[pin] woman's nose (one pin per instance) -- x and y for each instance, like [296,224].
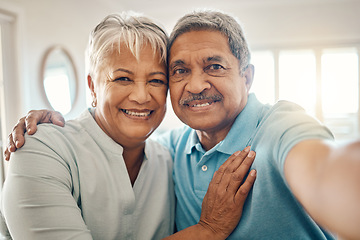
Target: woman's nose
[140,93]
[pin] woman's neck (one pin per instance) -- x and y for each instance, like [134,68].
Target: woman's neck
[133,158]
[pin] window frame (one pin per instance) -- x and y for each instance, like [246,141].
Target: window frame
[318,52]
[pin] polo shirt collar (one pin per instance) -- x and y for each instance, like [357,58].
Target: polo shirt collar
[192,142]
[240,133]
[243,128]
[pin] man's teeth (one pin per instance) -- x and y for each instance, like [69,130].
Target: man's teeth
[201,105]
[137,114]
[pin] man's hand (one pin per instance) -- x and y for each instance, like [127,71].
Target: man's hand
[28,124]
[223,203]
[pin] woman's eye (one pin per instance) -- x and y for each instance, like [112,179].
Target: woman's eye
[157,82]
[125,79]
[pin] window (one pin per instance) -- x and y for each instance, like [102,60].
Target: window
[8,81]
[297,78]
[325,82]
[339,69]
[340,91]
[1,114]
[264,77]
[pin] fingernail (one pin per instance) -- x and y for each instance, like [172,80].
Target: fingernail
[253,173]
[251,154]
[247,149]
[237,153]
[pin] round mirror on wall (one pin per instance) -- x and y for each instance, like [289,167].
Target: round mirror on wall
[58,77]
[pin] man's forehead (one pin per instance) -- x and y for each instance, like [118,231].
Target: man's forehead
[199,40]
[203,59]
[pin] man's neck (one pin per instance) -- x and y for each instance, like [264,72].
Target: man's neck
[209,139]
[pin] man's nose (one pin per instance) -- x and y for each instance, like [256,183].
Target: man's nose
[140,93]
[197,82]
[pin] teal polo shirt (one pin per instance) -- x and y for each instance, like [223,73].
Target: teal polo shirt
[270,211]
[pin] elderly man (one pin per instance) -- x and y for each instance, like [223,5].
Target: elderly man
[305,183]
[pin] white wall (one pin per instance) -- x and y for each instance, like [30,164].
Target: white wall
[268,23]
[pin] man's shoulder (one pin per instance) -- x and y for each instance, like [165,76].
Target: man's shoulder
[174,133]
[171,138]
[287,112]
[285,105]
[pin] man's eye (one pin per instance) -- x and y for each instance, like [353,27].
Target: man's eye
[179,71]
[215,70]
[215,67]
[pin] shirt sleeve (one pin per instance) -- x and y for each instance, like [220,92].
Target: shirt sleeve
[37,196]
[288,124]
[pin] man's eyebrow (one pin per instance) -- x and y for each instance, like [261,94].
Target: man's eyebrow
[215,58]
[177,63]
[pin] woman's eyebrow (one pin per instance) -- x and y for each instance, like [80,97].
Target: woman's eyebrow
[130,72]
[156,73]
[123,70]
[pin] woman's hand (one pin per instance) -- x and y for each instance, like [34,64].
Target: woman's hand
[28,124]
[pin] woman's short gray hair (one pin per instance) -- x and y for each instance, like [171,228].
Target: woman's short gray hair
[129,28]
[216,21]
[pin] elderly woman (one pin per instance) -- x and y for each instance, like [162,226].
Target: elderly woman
[99,177]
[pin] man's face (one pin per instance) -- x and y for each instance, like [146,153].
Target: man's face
[207,89]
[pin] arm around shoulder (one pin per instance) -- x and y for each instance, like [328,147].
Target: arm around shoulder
[325,178]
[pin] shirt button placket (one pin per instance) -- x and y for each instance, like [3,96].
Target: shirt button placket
[204,168]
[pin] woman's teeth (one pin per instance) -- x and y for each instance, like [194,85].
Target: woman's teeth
[137,114]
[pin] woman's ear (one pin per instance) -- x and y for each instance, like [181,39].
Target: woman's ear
[91,85]
[92,90]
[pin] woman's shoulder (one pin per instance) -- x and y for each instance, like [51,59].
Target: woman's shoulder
[51,131]
[155,150]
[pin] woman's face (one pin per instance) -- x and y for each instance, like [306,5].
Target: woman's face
[130,94]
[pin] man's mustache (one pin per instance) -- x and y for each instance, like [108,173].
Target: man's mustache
[199,96]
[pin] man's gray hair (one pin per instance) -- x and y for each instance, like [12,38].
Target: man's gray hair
[129,28]
[215,21]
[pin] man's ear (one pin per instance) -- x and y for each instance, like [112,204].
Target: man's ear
[249,76]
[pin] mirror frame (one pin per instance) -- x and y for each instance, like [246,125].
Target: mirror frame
[42,75]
